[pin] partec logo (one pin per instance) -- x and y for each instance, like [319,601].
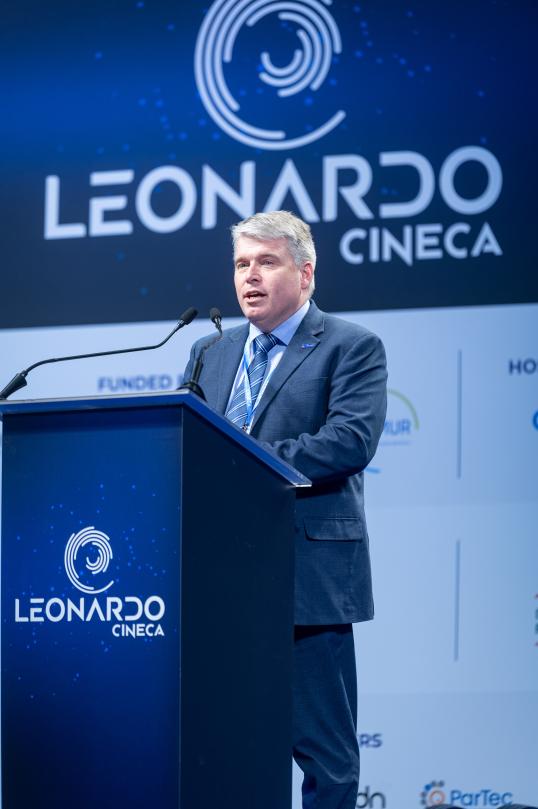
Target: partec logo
[435,793]
[100,544]
[318,38]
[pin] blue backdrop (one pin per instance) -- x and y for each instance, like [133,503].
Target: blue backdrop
[404,132]
[100,98]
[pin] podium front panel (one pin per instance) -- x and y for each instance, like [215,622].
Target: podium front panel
[90,610]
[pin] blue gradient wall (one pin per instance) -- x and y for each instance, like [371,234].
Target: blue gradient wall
[124,167]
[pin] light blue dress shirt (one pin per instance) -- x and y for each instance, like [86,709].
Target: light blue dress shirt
[284,332]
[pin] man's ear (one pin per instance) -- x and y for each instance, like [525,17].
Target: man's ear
[307,271]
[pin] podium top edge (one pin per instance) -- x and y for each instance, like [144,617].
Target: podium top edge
[159,399]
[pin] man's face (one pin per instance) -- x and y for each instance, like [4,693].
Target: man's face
[268,284]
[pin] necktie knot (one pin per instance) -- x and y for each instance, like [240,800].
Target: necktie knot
[264,342]
[242,406]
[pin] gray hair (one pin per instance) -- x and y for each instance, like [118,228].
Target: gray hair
[281,225]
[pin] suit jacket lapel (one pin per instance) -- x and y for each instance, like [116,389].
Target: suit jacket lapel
[302,344]
[232,351]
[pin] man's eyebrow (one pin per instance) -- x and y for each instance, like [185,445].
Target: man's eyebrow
[237,259]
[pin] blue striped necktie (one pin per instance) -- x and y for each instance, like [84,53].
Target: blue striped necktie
[238,410]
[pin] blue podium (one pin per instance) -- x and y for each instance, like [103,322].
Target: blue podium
[147,608]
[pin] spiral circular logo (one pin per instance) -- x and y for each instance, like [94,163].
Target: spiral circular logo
[100,545]
[319,40]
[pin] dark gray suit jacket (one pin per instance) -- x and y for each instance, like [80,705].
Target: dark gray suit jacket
[323,412]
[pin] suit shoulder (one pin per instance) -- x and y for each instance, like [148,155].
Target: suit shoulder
[348,331]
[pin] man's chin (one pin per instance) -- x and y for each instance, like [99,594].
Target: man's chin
[255,314]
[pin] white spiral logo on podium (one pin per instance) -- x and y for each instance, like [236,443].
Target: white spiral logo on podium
[99,542]
[319,38]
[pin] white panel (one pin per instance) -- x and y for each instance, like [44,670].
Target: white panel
[448,671]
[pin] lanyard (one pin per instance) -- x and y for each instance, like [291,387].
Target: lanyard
[248,394]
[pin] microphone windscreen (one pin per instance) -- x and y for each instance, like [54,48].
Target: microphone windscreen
[189,315]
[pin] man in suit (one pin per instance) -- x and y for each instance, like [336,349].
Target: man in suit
[312,388]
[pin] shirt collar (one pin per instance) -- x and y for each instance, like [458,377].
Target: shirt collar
[286,330]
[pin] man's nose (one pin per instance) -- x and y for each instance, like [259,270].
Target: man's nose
[253,272]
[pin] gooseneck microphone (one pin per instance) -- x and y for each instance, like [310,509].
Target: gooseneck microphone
[19,380]
[193,383]
[216,318]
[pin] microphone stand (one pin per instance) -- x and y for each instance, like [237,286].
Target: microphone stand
[193,383]
[19,380]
